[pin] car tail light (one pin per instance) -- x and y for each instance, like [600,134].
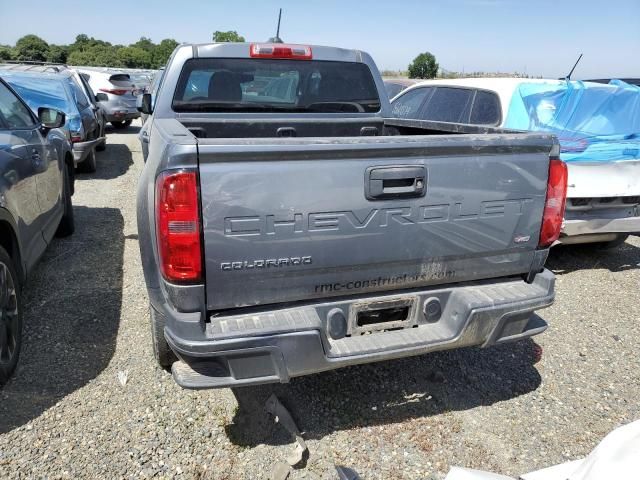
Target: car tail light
[280,50]
[115,91]
[75,137]
[554,203]
[178,226]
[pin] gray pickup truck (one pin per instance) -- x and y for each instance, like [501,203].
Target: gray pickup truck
[288,226]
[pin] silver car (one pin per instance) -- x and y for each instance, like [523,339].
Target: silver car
[117,94]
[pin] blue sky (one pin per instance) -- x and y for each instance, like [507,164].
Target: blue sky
[543,37]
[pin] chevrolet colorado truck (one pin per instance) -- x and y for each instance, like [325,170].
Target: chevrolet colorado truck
[288,225]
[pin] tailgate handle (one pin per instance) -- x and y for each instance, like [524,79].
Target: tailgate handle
[395,182]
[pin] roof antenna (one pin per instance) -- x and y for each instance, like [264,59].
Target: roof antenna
[277,38]
[568,77]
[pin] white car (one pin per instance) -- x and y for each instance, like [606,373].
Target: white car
[603,198]
[118,94]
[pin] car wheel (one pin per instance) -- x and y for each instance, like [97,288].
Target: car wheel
[67,224]
[161,350]
[88,165]
[10,317]
[121,125]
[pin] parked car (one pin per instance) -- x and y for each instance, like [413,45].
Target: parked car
[59,90]
[97,105]
[36,184]
[597,126]
[394,86]
[302,231]
[120,91]
[89,94]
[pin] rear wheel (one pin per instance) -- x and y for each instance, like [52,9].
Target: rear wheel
[88,165]
[161,350]
[67,224]
[121,125]
[10,317]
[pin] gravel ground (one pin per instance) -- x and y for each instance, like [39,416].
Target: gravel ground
[67,414]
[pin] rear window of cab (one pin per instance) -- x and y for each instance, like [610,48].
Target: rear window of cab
[275,85]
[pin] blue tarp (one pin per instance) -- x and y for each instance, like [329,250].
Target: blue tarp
[593,122]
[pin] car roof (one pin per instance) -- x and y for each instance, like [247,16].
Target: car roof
[53,69]
[34,74]
[42,89]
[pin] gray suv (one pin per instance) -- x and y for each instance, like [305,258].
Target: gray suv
[117,94]
[36,162]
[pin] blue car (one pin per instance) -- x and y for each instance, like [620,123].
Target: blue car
[60,91]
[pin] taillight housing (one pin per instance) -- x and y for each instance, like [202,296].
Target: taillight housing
[115,91]
[554,203]
[280,50]
[178,226]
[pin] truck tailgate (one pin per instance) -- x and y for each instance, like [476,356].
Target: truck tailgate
[288,220]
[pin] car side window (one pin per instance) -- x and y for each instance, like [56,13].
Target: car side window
[79,96]
[408,105]
[14,112]
[449,104]
[486,109]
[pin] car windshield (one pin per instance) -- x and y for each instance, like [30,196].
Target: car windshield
[41,92]
[266,85]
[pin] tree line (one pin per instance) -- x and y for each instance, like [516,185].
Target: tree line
[89,51]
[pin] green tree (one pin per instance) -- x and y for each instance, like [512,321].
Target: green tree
[134,57]
[423,66]
[57,54]
[228,36]
[163,51]
[31,48]
[145,44]
[6,52]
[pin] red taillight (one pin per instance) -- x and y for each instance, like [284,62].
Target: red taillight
[280,50]
[115,91]
[178,227]
[554,203]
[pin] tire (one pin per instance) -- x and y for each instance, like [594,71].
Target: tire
[121,125]
[161,351]
[88,165]
[10,317]
[67,224]
[613,243]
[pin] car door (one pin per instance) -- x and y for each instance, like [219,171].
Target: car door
[21,164]
[87,114]
[95,105]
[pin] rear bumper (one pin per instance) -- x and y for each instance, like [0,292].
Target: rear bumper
[82,149]
[619,220]
[120,117]
[276,345]
[119,113]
